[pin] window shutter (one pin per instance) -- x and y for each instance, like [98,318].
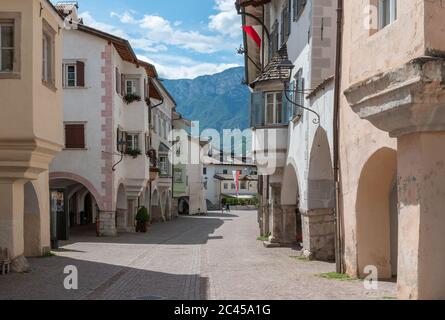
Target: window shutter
[63,75]
[74,136]
[117,76]
[257,109]
[123,85]
[284,109]
[291,108]
[80,70]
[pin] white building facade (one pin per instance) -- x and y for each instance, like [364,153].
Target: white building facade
[292,119]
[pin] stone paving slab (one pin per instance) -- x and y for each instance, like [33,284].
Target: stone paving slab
[209,257]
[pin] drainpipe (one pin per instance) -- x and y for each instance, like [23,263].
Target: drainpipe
[336,126]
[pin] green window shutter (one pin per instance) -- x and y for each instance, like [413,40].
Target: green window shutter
[257,109]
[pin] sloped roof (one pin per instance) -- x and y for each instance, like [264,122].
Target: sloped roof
[254,3]
[272,72]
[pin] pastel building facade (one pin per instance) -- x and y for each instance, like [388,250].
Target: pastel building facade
[292,120]
[30,99]
[102,176]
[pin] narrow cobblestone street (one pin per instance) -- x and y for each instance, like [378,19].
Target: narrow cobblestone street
[211,257]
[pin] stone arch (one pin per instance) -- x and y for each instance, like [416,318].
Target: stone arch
[290,193]
[32,221]
[82,203]
[79,179]
[374,213]
[321,186]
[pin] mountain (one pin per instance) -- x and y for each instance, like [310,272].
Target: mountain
[217,101]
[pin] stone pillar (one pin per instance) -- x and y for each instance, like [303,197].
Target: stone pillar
[12,217]
[289,234]
[319,234]
[421,171]
[121,219]
[37,217]
[107,227]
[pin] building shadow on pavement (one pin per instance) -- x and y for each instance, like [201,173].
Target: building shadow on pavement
[99,281]
[185,230]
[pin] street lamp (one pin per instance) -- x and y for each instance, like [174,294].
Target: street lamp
[287,65]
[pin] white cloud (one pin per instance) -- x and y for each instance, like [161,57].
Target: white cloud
[90,21]
[227,21]
[161,31]
[186,68]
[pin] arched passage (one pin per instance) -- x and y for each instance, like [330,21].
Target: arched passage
[74,205]
[32,222]
[318,216]
[377,214]
[290,203]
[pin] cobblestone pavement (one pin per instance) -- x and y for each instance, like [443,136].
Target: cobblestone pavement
[211,257]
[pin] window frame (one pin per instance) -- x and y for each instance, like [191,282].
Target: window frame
[133,82]
[298,8]
[48,63]
[65,75]
[392,15]
[135,141]
[13,19]
[164,166]
[275,116]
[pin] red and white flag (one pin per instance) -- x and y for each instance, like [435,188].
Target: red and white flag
[253,33]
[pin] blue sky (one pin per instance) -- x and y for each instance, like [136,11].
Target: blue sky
[183,38]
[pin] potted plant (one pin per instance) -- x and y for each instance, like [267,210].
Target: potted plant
[129,98]
[142,218]
[133,152]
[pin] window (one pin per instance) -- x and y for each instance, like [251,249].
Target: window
[226,186]
[10,33]
[204,171]
[131,86]
[274,39]
[7,46]
[387,12]
[132,141]
[224,171]
[285,22]
[243,185]
[274,108]
[299,93]
[233,186]
[48,55]
[164,166]
[70,75]
[74,74]
[75,136]
[298,8]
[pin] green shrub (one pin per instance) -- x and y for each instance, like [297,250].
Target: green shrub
[142,215]
[129,98]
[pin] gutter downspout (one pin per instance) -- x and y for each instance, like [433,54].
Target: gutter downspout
[336,126]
